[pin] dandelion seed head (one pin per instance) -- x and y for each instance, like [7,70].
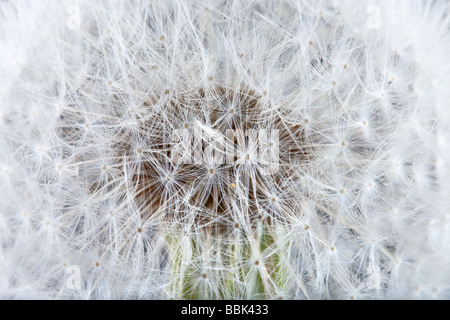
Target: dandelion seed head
[140,143]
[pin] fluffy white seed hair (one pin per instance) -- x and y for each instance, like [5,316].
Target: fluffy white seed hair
[95,205]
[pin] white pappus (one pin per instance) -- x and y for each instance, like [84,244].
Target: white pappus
[131,135]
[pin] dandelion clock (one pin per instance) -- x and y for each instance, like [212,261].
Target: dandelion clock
[224,149]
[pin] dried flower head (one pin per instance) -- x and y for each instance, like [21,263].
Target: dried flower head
[224,149]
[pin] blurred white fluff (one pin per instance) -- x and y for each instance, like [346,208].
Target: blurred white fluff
[361,88]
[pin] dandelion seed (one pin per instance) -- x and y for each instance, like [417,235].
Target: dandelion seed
[124,141]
